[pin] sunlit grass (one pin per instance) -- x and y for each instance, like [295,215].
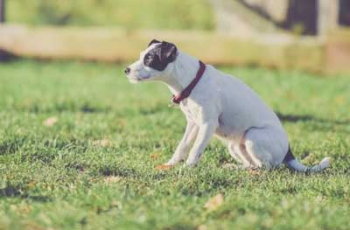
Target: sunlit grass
[129,14]
[93,165]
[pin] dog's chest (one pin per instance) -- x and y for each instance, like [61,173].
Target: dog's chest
[191,110]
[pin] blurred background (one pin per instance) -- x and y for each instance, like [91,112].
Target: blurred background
[79,143]
[312,35]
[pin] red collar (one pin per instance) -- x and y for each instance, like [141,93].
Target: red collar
[186,92]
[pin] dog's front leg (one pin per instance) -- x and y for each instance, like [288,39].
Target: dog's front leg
[205,132]
[184,145]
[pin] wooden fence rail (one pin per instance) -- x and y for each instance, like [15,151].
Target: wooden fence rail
[119,45]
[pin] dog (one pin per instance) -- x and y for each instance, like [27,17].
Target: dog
[215,103]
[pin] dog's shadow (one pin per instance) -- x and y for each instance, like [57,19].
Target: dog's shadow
[296,118]
[320,124]
[22,193]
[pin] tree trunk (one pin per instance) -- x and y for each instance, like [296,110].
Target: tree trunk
[328,16]
[2,11]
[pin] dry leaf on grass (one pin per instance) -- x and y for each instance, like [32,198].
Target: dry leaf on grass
[254,172]
[340,100]
[122,123]
[31,184]
[202,227]
[163,167]
[155,155]
[21,208]
[102,143]
[229,166]
[112,179]
[50,121]
[214,202]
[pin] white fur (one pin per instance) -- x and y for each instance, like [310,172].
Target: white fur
[222,105]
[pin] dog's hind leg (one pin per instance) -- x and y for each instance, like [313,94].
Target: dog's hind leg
[266,146]
[235,152]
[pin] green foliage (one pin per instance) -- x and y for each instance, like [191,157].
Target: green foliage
[63,177]
[131,14]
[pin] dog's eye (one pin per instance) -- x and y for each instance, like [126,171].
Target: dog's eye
[148,59]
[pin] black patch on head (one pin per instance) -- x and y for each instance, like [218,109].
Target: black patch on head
[153,42]
[160,56]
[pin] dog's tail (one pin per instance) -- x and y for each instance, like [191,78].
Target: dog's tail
[295,165]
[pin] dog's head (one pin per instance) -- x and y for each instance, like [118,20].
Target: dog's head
[155,62]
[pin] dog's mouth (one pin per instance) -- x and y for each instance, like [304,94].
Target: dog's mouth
[145,77]
[137,79]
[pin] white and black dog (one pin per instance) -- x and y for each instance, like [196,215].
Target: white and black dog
[217,103]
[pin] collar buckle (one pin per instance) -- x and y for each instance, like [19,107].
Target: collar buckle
[172,103]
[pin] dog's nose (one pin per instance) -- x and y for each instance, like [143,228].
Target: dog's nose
[127,70]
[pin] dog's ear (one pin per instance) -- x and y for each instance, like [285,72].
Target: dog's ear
[168,52]
[153,42]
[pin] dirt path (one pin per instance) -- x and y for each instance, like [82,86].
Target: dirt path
[229,22]
[233,18]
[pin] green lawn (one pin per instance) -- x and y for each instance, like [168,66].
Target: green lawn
[130,14]
[93,168]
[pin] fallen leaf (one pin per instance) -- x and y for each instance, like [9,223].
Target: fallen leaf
[112,179]
[214,202]
[290,95]
[122,123]
[31,184]
[50,121]
[163,167]
[229,166]
[340,100]
[21,208]
[155,156]
[116,204]
[254,172]
[33,225]
[202,227]
[102,143]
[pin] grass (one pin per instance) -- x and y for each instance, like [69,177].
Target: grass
[93,168]
[130,14]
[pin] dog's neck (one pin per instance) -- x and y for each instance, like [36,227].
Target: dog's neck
[185,70]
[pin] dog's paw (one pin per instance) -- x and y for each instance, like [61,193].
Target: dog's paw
[230,166]
[163,167]
[190,164]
